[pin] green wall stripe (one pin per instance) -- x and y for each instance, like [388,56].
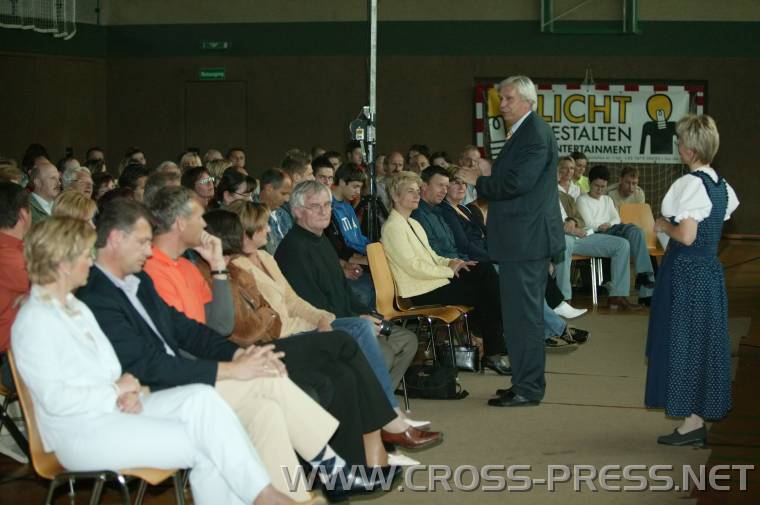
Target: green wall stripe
[477,38]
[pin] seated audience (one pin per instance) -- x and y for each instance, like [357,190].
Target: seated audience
[94,154]
[335,158]
[311,266]
[96,166]
[78,179]
[627,189]
[275,187]
[212,155]
[134,177]
[15,220]
[427,278]
[168,166]
[565,183]
[440,158]
[74,204]
[135,155]
[354,154]
[236,156]
[92,414]
[199,180]
[267,309]
[470,163]
[157,181]
[418,163]
[190,159]
[599,214]
[102,183]
[10,172]
[581,163]
[346,235]
[151,340]
[323,170]
[47,184]
[217,168]
[234,186]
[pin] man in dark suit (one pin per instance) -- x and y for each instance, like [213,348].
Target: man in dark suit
[524,232]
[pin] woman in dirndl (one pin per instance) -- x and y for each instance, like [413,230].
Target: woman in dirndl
[688,349]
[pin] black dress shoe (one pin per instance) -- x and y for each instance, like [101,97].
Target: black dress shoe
[644,281]
[511,399]
[357,482]
[496,364]
[696,437]
[574,335]
[502,392]
[645,300]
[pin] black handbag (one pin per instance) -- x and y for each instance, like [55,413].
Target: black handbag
[467,357]
[434,382]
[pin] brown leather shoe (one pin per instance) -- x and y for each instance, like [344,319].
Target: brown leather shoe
[622,303]
[412,438]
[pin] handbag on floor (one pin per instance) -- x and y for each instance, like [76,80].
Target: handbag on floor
[434,382]
[467,357]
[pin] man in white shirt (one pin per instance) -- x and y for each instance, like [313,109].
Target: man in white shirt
[599,213]
[627,190]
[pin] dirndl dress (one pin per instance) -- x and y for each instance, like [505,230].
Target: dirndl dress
[688,348]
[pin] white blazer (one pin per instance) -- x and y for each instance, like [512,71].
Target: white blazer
[67,363]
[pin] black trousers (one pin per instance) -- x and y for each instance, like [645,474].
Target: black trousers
[553,295]
[357,400]
[479,288]
[523,285]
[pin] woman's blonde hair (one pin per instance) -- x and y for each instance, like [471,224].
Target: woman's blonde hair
[699,134]
[74,204]
[253,215]
[52,241]
[216,168]
[401,180]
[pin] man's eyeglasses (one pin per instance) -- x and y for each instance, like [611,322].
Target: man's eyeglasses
[206,180]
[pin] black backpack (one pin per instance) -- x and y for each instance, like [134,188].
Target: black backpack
[434,382]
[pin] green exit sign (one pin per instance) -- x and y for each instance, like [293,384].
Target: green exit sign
[213,74]
[215,45]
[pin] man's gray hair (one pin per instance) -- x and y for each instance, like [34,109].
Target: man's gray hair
[305,189]
[524,87]
[168,204]
[70,175]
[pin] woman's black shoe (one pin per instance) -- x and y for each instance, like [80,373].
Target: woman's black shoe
[696,437]
[497,364]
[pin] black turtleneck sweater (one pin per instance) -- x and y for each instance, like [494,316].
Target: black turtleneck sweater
[312,267]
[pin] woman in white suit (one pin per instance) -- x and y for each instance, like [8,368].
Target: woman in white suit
[93,416]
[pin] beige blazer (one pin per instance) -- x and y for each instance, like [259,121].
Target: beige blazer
[416,268]
[297,315]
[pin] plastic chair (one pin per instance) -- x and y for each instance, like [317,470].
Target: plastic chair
[395,308]
[640,214]
[47,466]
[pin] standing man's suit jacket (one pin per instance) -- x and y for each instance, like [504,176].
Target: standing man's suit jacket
[524,220]
[139,349]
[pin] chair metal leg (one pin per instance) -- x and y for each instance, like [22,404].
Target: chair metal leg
[140,492]
[179,488]
[594,295]
[406,397]
[600,271]
[18,437]
[451,347]
[122,482]
[97,489]
[432,338]
[466,318]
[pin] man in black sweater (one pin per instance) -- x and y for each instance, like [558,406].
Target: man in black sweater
[311,265]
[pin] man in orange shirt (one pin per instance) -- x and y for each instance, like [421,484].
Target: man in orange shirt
[15,220]
[175,277]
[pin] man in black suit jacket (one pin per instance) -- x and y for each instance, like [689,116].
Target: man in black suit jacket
[147,335]
[524,232]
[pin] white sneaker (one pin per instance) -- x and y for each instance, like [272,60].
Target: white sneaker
[398,459]
[417,424]
[567,311]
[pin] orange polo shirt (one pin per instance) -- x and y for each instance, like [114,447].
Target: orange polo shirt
[180,284]
[14,284]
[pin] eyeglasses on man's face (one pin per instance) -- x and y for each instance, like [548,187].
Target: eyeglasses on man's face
[206,180]
[319,207]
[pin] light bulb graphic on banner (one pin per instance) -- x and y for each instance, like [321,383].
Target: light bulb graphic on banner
[659,130]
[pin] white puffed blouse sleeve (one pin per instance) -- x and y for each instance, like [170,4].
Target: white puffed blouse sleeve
[687,198]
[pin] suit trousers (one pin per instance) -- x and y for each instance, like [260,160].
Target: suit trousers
[280,418]
[479,288]
[523,284]
[181,427]
[359,402]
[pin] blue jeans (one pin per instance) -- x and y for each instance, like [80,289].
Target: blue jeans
[363,332]
[554,326]
[363,289]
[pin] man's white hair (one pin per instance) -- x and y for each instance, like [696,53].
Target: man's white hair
[524,87]
[70,175]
